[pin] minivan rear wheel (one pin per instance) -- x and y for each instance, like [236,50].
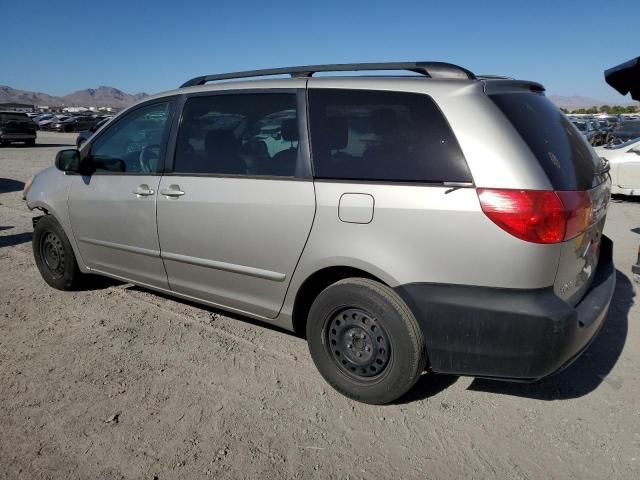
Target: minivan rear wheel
[365,341]
[54,256]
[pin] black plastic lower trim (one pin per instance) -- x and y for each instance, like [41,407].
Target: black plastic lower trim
[508,333]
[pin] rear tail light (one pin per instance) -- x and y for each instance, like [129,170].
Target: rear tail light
[538,216]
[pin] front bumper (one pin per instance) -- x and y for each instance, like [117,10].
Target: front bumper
[509,333]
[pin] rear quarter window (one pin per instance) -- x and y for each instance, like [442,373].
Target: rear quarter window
[382,136]
[561,150]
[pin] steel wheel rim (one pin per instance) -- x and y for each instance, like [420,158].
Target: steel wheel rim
[358,343]
[52,254]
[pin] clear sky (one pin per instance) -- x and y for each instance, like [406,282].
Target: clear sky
[61,46]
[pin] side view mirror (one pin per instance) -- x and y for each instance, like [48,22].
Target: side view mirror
[68,160]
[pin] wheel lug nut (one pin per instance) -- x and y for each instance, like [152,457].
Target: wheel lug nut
[349,345]
[359,354]
[368,349]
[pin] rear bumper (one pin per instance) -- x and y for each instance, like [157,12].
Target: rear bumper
[509,333]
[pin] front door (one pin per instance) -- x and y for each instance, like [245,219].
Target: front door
[234,215]
[113,211]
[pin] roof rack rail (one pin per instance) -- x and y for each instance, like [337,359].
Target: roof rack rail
[428,69]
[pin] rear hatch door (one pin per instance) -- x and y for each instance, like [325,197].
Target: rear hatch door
[575,172]
[16,123]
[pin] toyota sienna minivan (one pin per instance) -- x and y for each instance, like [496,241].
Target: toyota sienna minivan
[431,221]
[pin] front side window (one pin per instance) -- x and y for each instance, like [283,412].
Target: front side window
[239,134]
[134,143]
[375,135]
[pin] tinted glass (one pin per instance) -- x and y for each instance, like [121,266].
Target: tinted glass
[630,127]
[13,117]
[563,153]
[134,143]
[373,135]
[243,134]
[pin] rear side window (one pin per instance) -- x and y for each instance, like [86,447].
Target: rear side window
[559,147]
[374,135]
[239,134]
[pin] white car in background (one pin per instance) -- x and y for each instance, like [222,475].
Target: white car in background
[624,160]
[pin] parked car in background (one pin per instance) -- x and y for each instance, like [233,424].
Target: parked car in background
[612,120]
[42,117]
[589,129]
[17,127]
[85,134]
[625,78]
[361,210]
[45,123]
[624,163]
[627,130]
[73,124]
[602,125]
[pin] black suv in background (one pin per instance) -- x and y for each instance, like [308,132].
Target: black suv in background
[17,127]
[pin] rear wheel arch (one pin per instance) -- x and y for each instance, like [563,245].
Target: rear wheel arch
[316,283]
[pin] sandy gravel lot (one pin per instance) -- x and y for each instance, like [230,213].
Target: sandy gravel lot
[121,383]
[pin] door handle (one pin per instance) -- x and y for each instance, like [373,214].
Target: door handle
[172,191]
[143,190]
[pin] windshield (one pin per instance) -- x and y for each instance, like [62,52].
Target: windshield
[581,126]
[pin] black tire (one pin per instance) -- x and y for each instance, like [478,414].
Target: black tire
[54,256]
[68,129]
[31,142]
[390,355]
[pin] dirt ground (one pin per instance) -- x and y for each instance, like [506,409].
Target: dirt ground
[121,383]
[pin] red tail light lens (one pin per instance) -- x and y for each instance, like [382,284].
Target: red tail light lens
[537,216]
[579,210]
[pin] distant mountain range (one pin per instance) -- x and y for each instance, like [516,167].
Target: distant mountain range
[575,102]
[112,97]
[91,97]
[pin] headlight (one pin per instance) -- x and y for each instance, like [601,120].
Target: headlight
[26,188]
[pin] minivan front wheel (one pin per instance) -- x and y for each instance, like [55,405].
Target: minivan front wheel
[365,341]
[54,255]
